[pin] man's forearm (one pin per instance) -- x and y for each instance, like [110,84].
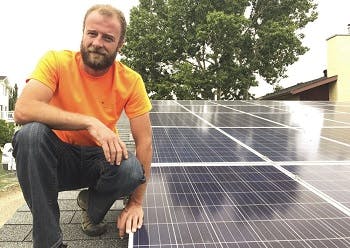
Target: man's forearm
[52,116]
[144,155]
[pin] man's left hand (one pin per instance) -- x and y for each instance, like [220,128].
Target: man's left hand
[130,219]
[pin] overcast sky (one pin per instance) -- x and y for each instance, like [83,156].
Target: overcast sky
[30,28]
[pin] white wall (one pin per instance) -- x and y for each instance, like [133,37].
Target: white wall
[4,96]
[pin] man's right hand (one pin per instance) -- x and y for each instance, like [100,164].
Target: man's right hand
[113,147]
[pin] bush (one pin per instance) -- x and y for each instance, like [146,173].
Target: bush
[6,132]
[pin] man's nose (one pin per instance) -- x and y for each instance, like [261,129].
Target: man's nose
[97,41]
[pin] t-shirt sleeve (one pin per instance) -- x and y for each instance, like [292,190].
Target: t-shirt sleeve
[138,103]
[46,71]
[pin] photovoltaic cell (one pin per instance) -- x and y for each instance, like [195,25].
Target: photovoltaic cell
[339,134]
[305,121]
[194,102]
[340,117]
[234,103]
[176,119]
[173,145]
[330,179]
[167,109]
[209,109]
[192,207]
[248,206]
[283,144]
[236,120]
[252,109]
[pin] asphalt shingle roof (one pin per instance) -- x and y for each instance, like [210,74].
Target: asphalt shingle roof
[17,232]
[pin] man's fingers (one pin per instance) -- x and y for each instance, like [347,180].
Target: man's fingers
[139,222]
[112,150]
[135,221]
[106,151]
[121,228]
[116,152]
[128,225]
[118,155]
[124,149]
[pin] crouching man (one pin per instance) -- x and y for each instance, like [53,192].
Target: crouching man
[69,109]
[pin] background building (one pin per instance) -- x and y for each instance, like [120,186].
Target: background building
[335,83]
[4,96]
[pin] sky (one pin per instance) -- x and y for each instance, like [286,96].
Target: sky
[29,28]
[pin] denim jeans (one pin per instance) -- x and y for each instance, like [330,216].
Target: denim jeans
[46,166]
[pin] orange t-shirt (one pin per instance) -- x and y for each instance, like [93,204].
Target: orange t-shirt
[103,97]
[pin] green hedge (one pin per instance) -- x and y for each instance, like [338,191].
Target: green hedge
[6,132]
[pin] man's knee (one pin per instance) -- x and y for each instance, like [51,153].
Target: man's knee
[29,135]
[133,169]
[31,131]
[124,177]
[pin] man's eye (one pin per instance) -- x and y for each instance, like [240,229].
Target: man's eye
[108,38]
[91,33]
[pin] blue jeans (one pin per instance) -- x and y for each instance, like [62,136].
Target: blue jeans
[47,165]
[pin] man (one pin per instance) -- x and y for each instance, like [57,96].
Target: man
[69,109]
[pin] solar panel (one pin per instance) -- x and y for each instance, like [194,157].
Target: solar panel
[332,180]
[252,109]
[339,134]
[197,145]
[301,120]
[217,207]
[286,144]
[339,117]
[209,109]
[167,109]
[176,119]
[249,174]
[237,120]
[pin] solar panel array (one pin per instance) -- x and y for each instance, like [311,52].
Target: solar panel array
[248,174]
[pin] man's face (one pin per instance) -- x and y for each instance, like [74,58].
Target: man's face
[100,43]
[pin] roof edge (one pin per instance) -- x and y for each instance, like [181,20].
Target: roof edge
[314,85]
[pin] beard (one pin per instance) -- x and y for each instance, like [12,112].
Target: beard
[97,58]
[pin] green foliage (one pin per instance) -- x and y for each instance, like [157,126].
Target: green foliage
[277,88]
[13,98]
[6,132]
[193,49]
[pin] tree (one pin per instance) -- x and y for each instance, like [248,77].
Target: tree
[6,132]
[13,97]
[277,88]
[196,49]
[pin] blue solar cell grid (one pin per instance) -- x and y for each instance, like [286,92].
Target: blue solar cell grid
[173,145]
[286,144]
[268,174]
[219,207]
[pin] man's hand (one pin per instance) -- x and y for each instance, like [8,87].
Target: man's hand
[113,147]
[130,219]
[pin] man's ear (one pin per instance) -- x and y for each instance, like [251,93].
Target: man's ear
[120,45]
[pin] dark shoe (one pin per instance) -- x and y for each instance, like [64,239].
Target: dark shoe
[83,199]
[88,227]
[63,246]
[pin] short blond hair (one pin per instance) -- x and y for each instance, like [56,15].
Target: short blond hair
[109,10]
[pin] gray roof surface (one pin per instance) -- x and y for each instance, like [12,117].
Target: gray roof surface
[17,231]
